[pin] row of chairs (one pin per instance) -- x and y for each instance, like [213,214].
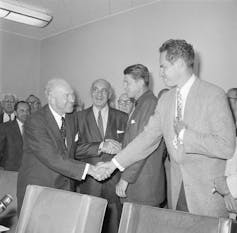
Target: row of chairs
[47,210]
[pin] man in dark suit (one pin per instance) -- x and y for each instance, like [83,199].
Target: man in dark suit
[49,144]
[11,145]
[144,181]
[101,130]
[8,102]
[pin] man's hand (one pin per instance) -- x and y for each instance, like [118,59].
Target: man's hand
[106,169]
[230,203]
[178,126]
[121,188]
[99,173]
[111,146]
[221,185]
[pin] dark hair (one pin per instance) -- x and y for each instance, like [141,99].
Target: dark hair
[178,49]
[138,71]
[20,102]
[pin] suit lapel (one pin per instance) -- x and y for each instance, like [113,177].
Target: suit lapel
[91,121]
[69,131]
[17,130]
[52,124]
[191,101]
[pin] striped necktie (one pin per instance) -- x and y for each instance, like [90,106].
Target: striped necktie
[100,124]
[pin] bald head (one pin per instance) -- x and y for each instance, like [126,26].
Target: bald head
[60,96]
[101,92]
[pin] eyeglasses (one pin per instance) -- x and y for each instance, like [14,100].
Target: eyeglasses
[9,101]
[124,102]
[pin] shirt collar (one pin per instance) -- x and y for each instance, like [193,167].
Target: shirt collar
[57,117]
[104,110]
[186,87]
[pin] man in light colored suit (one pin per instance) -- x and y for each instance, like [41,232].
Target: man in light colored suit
[227,185]
[196,122]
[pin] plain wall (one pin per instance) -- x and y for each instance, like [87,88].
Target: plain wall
[20,65]
[104,48]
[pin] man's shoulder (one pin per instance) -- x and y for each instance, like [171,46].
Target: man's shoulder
[117,113]
[210,87]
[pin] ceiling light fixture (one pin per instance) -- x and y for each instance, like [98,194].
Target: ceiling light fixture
[24,15]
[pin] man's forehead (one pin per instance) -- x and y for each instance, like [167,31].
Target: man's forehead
[101,84]
[7,97]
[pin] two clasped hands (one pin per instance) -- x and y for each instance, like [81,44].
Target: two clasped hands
[103,170]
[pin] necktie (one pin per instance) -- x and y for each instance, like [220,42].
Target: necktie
[9,115]
[63,130]
[100,124]
[176,140]
[179,105]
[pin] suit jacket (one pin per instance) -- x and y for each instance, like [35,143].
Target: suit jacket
[208,141]
[146,178]
[46,160]
[1,118]
[89,141]
[11,146]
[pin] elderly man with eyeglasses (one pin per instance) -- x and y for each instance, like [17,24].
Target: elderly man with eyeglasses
[7,102]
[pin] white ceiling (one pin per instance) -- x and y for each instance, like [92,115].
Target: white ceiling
[69,14]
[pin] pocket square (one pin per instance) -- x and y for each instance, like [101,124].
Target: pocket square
[120,131]
[133,121]
[76,138]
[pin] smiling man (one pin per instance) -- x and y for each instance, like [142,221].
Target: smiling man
[101,129]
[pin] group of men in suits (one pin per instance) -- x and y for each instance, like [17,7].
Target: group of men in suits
[193,117]
[195,120]
[11,144]
[12,118]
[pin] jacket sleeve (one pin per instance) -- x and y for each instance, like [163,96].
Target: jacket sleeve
[41,142]
[220,140]
[132,172]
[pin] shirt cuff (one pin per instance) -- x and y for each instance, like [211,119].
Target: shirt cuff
[85,171]
[181,136]
[115,162]
[231,182]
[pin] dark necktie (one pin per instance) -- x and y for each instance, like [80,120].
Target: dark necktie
[9,115]
[100,124]
[63,130]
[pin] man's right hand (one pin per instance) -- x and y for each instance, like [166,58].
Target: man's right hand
[230,203]
[111,146]
[98,173]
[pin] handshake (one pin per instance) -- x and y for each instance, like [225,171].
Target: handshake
[101,171]
[111,146]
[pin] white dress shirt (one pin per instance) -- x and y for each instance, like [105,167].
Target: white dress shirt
[6,117]
[20,125]
[104,115]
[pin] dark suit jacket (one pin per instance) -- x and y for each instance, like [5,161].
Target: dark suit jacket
[1,118]
[10,146]
[89,141]
[146,178]
[46,160]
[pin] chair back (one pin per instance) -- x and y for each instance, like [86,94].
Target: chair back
[146,219]
[48,210]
